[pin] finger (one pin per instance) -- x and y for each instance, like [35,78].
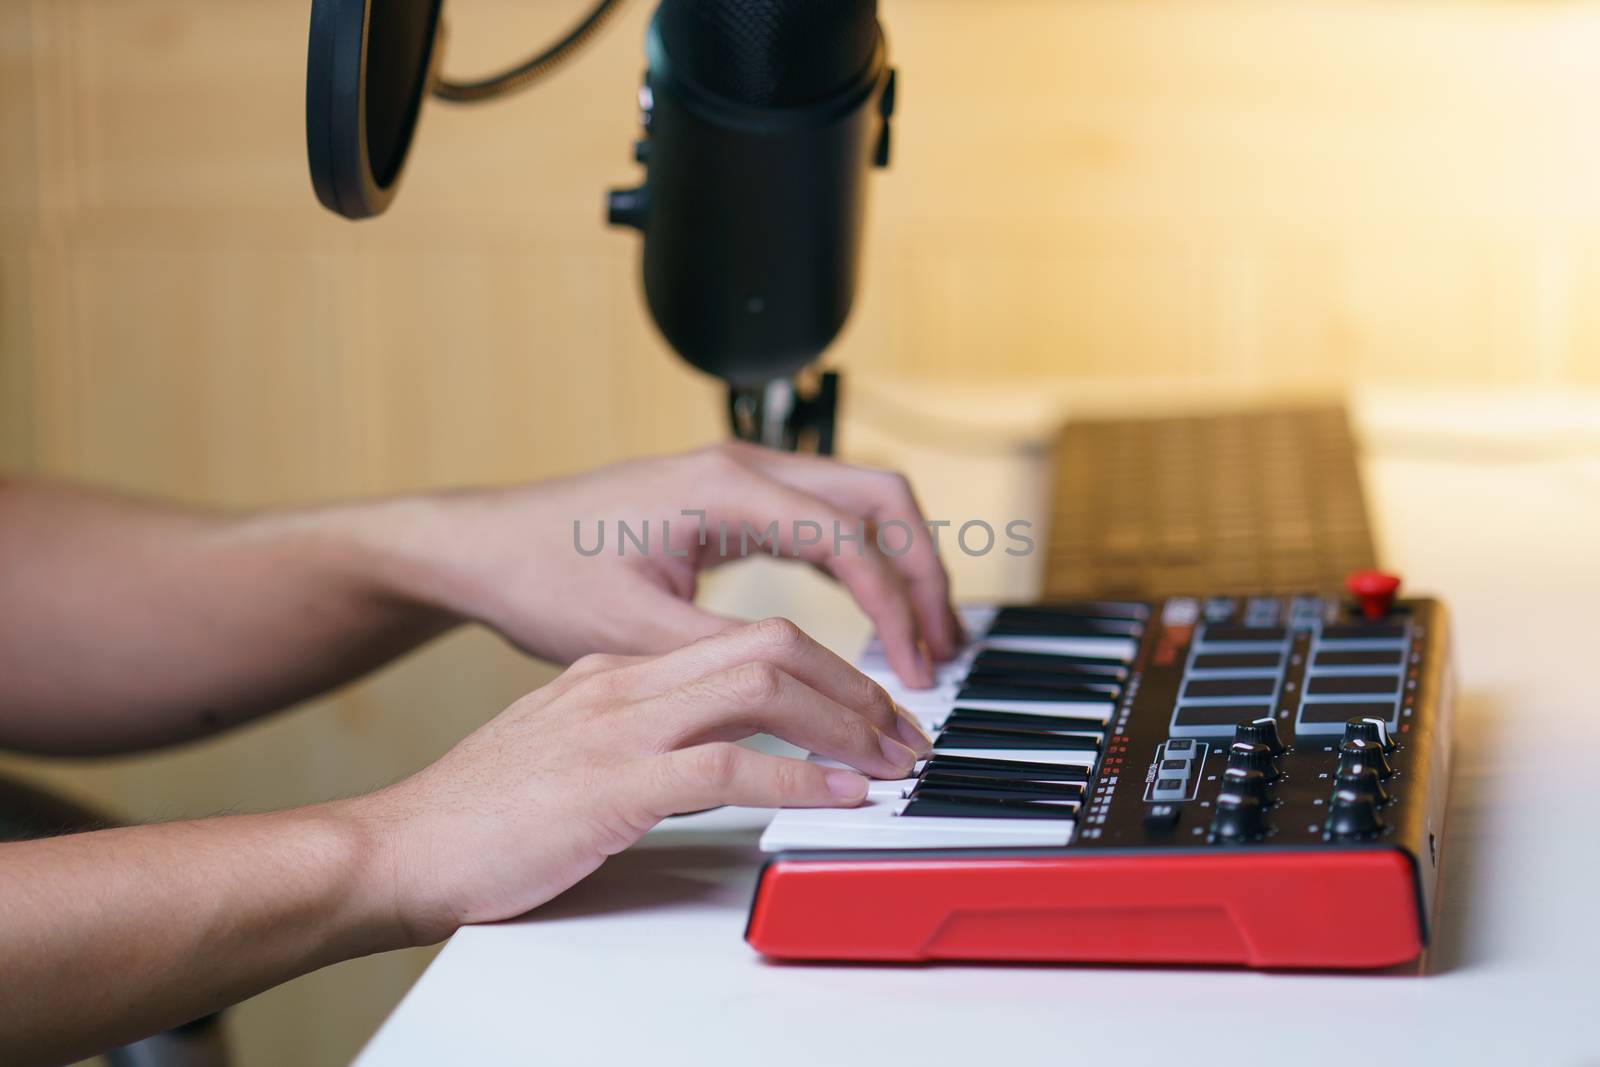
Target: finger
[887,500]
[879,592]
[751,698]
[787,647]
[706,776]
[807,527]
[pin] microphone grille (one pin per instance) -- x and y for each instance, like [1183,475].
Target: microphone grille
[770,53]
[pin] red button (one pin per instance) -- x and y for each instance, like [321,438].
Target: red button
[1375,591]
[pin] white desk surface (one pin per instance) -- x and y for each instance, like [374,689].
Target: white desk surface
[645,962]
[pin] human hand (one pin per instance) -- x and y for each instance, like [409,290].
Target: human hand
[511,558]
[575,772]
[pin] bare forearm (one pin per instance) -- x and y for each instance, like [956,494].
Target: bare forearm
[112,935]
[127,625]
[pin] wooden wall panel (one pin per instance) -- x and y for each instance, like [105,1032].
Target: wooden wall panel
[1284,195]
[1370,190]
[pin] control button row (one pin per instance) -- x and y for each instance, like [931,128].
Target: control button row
[1175,768]
[1247,781]
[1358,792]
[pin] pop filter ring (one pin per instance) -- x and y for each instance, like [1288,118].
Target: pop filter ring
[344,174]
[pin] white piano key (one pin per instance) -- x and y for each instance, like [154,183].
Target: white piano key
[895,790]
[1120,648]
[975,619]
[930,716]
[903,694]
[877,824]
[945,675]
[916,699]
[895,787]
[873,783]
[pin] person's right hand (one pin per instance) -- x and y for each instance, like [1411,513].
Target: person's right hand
[575,772]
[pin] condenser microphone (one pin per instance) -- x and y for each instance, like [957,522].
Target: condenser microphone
[762,119]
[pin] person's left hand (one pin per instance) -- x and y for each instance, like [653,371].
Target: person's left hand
[522,560]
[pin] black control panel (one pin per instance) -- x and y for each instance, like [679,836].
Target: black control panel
[1272,722]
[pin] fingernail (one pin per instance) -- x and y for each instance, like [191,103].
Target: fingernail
[912,733]
[847,787]
[902,757]
[924,669]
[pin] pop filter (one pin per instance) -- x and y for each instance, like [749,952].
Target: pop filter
[370,63]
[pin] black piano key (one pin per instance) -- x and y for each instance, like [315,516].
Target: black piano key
[965,806]
[1093,609]
[991,793]
[1042,683]
[978,717]
[1007,788]
[1013,737]
[1063,627]
[1005,770]
[1048,613]
[1027,694]
[1042,663]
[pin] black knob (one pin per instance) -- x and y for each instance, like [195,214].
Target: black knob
[1369,730]
[1356,755]
[1262,731]
[1238,818]
[1352,816]
[629,207]
[1252,757]
[1236,781]
[1364,781]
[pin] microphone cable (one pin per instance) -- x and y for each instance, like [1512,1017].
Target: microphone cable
[535,68]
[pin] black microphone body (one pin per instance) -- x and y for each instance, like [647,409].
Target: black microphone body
[763,119]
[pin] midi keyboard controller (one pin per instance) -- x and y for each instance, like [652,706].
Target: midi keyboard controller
[1229,778]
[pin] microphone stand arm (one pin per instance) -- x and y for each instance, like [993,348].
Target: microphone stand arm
[794,414]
